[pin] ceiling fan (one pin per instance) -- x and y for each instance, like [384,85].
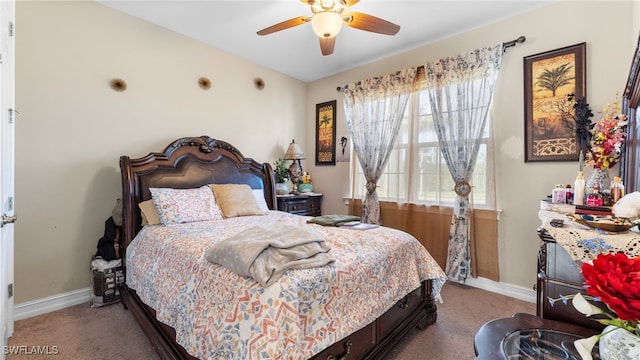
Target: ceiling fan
[327,19]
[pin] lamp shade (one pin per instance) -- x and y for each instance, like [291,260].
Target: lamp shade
[294,152]
[326,24]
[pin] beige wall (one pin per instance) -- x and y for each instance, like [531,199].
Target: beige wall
[73,127]
[635,15]
[68,51]
[605,26]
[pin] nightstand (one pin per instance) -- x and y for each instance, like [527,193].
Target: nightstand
[302,204]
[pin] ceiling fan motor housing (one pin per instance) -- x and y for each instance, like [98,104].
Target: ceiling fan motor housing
[326,24]
[320,6]
[327,20]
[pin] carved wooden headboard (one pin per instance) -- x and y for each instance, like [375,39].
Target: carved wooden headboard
[188,162]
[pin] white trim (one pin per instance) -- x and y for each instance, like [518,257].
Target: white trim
[51,303]
[514,291]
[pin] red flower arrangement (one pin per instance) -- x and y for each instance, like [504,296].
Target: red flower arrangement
[607,138]
[614,280]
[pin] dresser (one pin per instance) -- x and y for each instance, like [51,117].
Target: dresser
[558,275]
[562,252]
[302,204]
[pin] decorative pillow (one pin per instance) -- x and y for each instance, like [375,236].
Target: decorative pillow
[176,206]
[259,195]
[149,213]
[236,200]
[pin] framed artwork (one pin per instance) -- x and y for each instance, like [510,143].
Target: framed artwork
[549,78]
[326,133]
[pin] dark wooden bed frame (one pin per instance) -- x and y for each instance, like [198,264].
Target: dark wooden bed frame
[195,161]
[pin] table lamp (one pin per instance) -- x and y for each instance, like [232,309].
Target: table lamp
[295,154]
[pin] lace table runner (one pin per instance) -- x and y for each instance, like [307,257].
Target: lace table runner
[584,243]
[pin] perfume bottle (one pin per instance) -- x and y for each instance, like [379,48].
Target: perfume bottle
[594,198]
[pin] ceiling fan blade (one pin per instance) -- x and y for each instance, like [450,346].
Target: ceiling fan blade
[327,45]
[284,25]
[352,2]
[370,23]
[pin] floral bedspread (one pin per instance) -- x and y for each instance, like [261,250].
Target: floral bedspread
[218,314]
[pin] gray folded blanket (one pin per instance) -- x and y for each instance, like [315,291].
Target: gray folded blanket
[333,219]
[264,253]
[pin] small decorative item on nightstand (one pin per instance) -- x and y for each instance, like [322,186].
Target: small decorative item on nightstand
[306,186]
[295,169]
[281,174]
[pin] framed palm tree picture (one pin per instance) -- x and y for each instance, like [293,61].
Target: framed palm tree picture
[326,133]
[552,81]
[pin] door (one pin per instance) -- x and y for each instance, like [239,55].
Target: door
[7,132]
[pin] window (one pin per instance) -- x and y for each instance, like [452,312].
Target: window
[416,171]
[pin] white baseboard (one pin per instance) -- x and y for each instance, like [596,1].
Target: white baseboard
[76,297]
[514,291]
[51,303]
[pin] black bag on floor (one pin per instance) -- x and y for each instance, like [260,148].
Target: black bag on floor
[109,244]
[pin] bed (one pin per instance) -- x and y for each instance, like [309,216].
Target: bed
[357,306]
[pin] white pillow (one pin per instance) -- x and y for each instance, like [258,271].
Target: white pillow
[177,206]
[259,195]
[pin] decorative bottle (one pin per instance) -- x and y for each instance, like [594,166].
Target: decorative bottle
[558,195]
[594,198]
[617,189]
[578,189]
[568,194]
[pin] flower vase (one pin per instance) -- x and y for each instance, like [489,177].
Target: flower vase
[599,178]
[282,188]
[618,344]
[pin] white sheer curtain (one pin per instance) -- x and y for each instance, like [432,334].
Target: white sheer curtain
[374,109]
[460,91]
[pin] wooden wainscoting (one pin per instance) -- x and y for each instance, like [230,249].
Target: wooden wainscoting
[430,224]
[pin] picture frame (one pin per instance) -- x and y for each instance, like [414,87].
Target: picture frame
[326,133]
[549,78]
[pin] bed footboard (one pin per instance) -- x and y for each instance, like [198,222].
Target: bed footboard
[374,341]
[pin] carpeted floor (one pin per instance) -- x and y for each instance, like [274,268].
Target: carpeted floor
[110,332]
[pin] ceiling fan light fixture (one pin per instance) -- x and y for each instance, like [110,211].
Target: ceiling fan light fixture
[326,24]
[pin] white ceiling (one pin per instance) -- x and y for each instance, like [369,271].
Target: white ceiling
[231,26]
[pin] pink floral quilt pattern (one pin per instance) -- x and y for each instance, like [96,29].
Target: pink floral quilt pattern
[218,314]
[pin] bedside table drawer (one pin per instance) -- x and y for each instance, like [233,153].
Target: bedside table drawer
[301,204]
[297,206]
